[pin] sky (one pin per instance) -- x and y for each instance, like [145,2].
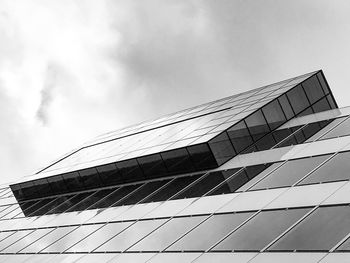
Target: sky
[73,69]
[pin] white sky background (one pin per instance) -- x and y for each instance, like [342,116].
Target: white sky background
[72,69]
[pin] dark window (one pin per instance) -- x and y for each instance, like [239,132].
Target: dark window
[109,174]
[201,156]
[174,187]
[97,196]
[305,112]
[207,183]
[42,187]
[90,178]
[313,89]
[335,169]
[232,184]
[130,170]
[239,136]
[73,181]
[143,192]
[320,231]
[287,109]
[274,114]
[39,206]
[152,165]
[57,184]
[54,205]
[208,233]
[265,143]
[262,229]
[298,99]
[167,234]
[257,125]
[222,148]
[69,204]
[321,105]
[178,161]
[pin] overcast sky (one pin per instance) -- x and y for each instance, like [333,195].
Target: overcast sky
[70,70]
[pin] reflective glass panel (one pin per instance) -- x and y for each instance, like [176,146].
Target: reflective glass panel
[131,235]
[261,230]
[257,125]
[289,173]
[42,243]
[99,237]
[27,240]
[167,234]
[222,148]
[240,136]
[274,114]
[313,89]
[322,230]
[341,130]
[70,239]
[335,169]
[298,99]
[209,232]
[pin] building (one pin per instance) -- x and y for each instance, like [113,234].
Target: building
[261,176]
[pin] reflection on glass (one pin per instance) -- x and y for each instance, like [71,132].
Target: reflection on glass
[131,235]
[99,237]
[209,232]
[261,230]
[298,99]
[45,241]
[335,169]
[167,234]
[70,239]
[291,172]
[320,231]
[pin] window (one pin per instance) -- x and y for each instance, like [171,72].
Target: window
[320,231]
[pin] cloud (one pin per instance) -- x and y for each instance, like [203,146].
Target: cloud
[72,69]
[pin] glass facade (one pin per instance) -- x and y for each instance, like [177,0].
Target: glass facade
[193,186]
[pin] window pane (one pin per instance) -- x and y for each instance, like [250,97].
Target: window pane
[152,165]
[322,230]
[335,169]
[13,238]
[240,136]
[258,177]
[99,237]
[261,230]
[209,232]
[178,161]
[274,114]
[208,182]
[321,105]
[222,148]
[313,89]
[174,187]
[257,125]
[297,98]
[289,173]
[202,156]
[28,240]
[143,192]
[71,238]
[341,130]
[131,235]
[167,234]
[53,236]
[287,109]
